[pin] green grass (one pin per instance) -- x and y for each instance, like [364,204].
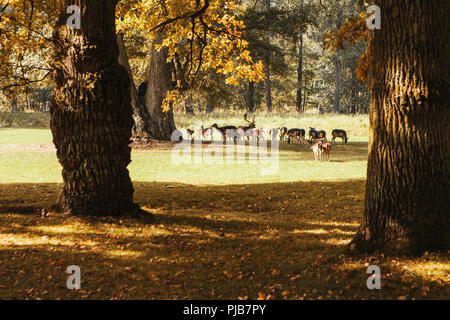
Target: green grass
[219,231]
[37,163]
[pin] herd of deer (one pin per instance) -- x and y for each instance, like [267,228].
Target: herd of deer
[317,138]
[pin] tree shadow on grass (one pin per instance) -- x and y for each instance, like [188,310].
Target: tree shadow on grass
[207,242]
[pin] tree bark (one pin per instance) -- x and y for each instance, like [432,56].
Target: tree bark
[188,107]
[267,83]
[337,82]
[91,113]
[140,116]
[251,96]
[162,124]
[14,105]
[209,104]
[300,70]
[268,88]
[407,192]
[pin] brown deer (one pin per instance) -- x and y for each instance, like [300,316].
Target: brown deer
[317,134]
[202,133]
[326,150]
[295,133]
[226,131]
[338,133]
[247,131]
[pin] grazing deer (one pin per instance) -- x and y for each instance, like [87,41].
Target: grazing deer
[283,132]
[272,132]
[317,134]
[208,132]
[258,133]
[226,131]
[190,134]
[295,133]
[312,133]
[322,135]
[247,131]
[326,150]
[202,133]
[317,150]
[338,133]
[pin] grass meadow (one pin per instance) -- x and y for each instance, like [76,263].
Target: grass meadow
[213,231]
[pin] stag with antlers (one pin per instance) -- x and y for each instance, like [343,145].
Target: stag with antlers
[247,131]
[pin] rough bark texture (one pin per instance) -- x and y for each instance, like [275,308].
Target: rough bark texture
[209,104]
[268,88]
[91,113]
[337,82]
[251,96]
[161,124]
[267,83]
[14,105]
[300,70]
[140,116]
[407,193]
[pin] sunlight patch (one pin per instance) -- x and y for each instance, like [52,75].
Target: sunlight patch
[124,253]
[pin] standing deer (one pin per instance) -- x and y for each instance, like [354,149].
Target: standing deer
[295,133]
[283,132]
[226,131]
[317,134]
[338,133]
[317,150]
[202,133]
[326,150]
[247,131]
[312,133]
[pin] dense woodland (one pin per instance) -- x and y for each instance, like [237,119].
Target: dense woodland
[287,35]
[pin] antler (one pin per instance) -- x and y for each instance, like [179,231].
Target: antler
[251,122]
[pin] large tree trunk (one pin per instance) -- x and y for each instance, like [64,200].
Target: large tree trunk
[251,96]
[337,82]
[14,105]
[406,206]
[267,83]
[300,70]
[162,123]
[268,88]
[91,113]
[209,104]
[140,116]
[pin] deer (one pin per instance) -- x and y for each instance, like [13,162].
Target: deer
[317,134]
[312,133]
[226,131]
[190,134]
[317,150]
[258,133]
[202,133]
[283,132]
[326,150]
[338,133]
[247,131]
[295,133]
[208,132]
